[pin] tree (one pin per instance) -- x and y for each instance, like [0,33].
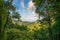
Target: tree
[9,7]
[44,9]
[4,15]
[56,16]
[16,15]
[49,9]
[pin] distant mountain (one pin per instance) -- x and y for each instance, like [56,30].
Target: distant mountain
[22,22]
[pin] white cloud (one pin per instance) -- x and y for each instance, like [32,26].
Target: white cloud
[31,6]
[31,9]
[22,4]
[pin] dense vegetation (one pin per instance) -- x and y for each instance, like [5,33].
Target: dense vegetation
[47,28]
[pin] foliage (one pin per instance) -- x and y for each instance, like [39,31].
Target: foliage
[16,15]
[48,27]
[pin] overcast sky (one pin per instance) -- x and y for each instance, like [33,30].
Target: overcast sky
[26,9]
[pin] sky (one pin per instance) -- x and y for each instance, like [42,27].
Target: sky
[26,9]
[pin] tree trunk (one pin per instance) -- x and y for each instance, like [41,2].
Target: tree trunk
[50,33]
[0,27]
[49,23]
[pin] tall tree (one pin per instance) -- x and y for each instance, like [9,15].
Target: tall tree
[9,8]
[2,18]
[52,10]
[5,7]
[43,8]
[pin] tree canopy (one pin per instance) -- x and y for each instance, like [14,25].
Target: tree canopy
[48,28]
